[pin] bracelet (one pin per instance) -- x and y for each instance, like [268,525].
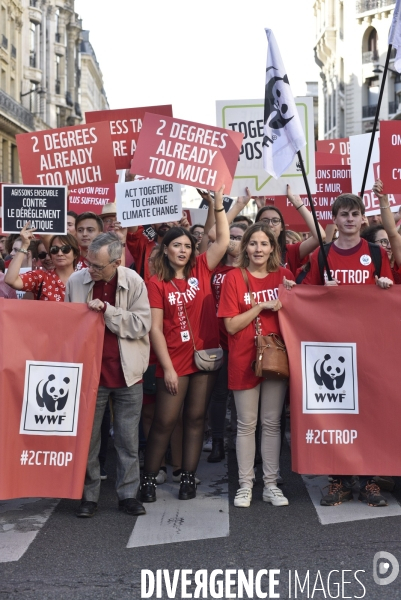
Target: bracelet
[22,250]
[298,207]
[219,210]
[384,206]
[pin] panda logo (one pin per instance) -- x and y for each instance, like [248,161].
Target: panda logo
[275,115]
[330,372]
[54,395]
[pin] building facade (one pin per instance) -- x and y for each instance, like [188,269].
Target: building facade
[350,49]
[42,67]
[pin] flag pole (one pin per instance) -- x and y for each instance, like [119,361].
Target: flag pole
[319,235]
[372,138]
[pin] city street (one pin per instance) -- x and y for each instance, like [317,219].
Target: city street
[46,552]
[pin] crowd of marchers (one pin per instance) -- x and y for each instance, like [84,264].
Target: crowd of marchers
[181,309]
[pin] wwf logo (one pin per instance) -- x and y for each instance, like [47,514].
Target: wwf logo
[52,393]
[329,372]
[275,115]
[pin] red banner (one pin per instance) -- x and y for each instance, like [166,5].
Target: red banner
[331,181]
[343,382]
[125,126]
[48,391]
[186,152]
[337,146]
[390,149]
[92,198]
[79,155]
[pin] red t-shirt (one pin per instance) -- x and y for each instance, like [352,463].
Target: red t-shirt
[111,375]
[352,266]
[53,288]
[195,293]
[219,275]
[81,263]
[293,259]
[140,247]
[235,300]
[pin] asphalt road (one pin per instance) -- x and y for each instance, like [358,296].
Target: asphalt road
[76,559]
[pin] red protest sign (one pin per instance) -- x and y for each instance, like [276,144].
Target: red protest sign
[336,146]
[186,152]
[331,181]
[125,126]
[390,156]
[48,394]
[79,155]
[333,423]
[92,198]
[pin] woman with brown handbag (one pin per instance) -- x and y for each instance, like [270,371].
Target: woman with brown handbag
[185,339]
[249,304]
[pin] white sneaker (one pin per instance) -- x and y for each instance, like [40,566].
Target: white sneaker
[207,444]
[161,477]
[243,497]
[275,496]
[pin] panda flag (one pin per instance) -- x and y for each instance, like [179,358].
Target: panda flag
[344,393]
[283,133]
[394,37]
[50,359]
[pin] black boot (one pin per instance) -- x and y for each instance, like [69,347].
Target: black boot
[148,488]
[217,454]
[187,486]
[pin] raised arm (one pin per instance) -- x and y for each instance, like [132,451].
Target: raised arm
[12,277]
[310,244]
[234,211]
[388,221]
[209,221]
[216,251]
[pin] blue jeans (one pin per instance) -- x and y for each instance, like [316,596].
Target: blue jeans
[127,406]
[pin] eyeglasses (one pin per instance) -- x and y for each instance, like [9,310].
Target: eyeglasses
[109,221]
[42,255]
[383,242]
[56,249]
[198,234]
[236,238]
[273,221]
[98,268]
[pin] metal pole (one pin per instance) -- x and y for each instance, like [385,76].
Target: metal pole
[372,138]
[319,235]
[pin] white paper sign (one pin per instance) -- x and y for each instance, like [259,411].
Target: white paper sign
[359,146]
[148,201]
[246,116]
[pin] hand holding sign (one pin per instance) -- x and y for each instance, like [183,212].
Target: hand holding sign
[26,235]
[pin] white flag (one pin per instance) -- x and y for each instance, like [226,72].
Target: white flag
[394,37]
[283,133]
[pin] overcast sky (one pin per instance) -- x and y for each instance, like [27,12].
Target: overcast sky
[190,54]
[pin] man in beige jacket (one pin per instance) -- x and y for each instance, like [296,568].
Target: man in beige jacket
[120,294]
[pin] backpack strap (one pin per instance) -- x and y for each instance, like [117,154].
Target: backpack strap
[376,255]
[320,259]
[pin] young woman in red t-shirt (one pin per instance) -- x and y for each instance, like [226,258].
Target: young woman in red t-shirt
[260,258]
[294,255]
[183,315]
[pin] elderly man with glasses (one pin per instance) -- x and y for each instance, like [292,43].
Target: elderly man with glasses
[120,295]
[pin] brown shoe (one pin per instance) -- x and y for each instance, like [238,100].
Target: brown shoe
[337,494]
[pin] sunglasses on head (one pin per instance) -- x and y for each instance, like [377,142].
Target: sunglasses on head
[42,255]
[64,249]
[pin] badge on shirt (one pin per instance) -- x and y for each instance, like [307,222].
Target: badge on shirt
[193,282]
[185,336]
[365,260]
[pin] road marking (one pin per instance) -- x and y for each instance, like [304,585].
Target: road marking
[349,511]
[171,520]
[20,521]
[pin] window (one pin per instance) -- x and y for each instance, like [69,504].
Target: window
[32,43]
[58,75]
